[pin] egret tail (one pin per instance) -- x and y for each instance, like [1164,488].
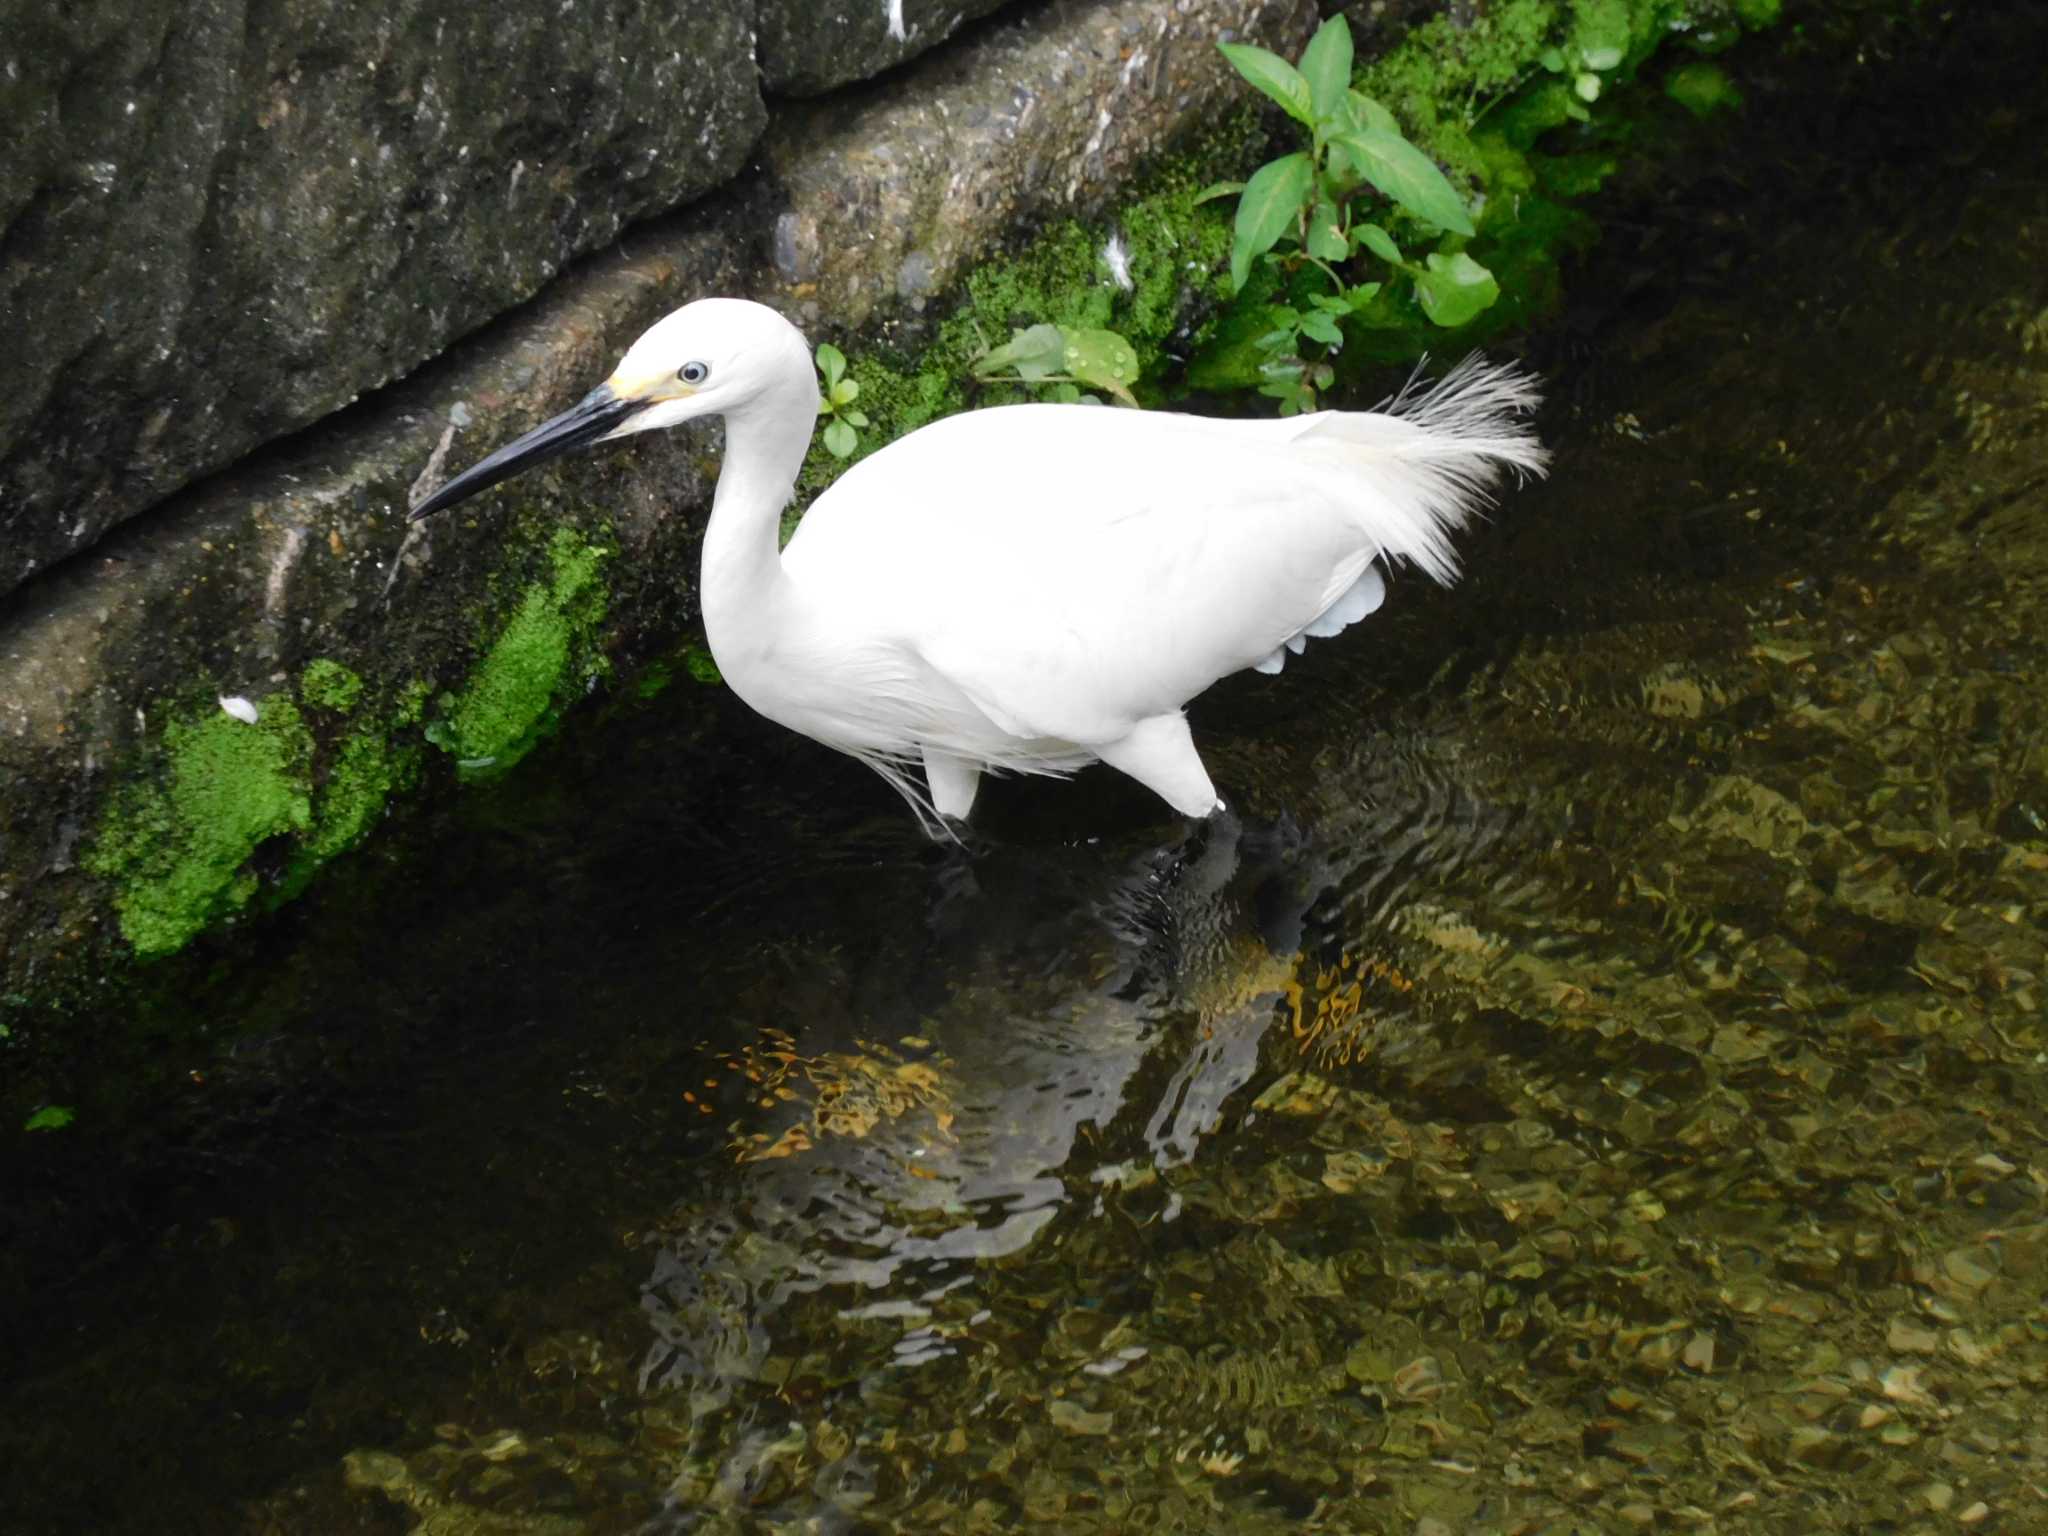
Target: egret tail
[1416,471]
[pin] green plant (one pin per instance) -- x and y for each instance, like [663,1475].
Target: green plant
[51,1117]
[842,419]
[1069,358]
[1302,212]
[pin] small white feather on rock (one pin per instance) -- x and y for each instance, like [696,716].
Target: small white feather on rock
[234,704]
[1117,257]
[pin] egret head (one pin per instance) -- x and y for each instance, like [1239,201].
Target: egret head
[711,358]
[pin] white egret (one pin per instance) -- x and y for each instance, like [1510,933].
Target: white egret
[1032,588]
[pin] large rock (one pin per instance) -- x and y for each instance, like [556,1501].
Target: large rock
[889,201]
[807,46]
[133,808]
[225,218]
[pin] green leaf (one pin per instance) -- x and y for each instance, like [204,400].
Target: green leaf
[1378,241]
[1371,116]
[1322,327]
[1455,289]
[846,391]
[1552,59]
[1326,66]
[1269,208]
[831,362]
[1601,37]
[1326,239]
[840,439]
[1294,396]
[1103,360]
[1030,354]
[1409,177]
[1214,190]
[1275,76]
[854,418]
[51,1117]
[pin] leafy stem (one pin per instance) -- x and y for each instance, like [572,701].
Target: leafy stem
[1301,209]
[843,420]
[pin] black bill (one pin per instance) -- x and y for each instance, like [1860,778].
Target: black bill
[597,413]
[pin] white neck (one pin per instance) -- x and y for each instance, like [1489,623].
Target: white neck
[741,586]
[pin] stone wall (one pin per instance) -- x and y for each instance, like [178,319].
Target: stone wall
[222,219]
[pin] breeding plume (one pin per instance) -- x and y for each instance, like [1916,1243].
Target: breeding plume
[1032,588]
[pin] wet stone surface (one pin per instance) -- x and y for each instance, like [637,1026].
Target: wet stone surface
[224,221]
[805,47]
[1600,1085]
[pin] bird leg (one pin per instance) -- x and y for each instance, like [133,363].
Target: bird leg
[1160,754]
[952,782]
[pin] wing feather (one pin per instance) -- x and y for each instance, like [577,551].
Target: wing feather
[1075,569]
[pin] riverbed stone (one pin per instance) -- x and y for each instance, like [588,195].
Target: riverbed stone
[808,46]
[126,673]
[223,219]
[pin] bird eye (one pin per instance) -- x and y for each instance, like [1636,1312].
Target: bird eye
[694,373]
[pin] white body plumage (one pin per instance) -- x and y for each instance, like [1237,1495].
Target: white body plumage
[1031,588]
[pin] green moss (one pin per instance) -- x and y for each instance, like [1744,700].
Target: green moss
[230,813]
[365,773]
[1442,77]
[410,707]
[1444,80]
[178,846]
[540,657]
[181,845]
[698,662]
[1175,255]
[329,685]
[1702,88]
[652,680]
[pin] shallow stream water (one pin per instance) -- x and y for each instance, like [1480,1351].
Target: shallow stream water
[1601,1082]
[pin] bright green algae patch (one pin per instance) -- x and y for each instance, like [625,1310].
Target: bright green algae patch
[178,846]
[329,685]
[515,695]
[314,773]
